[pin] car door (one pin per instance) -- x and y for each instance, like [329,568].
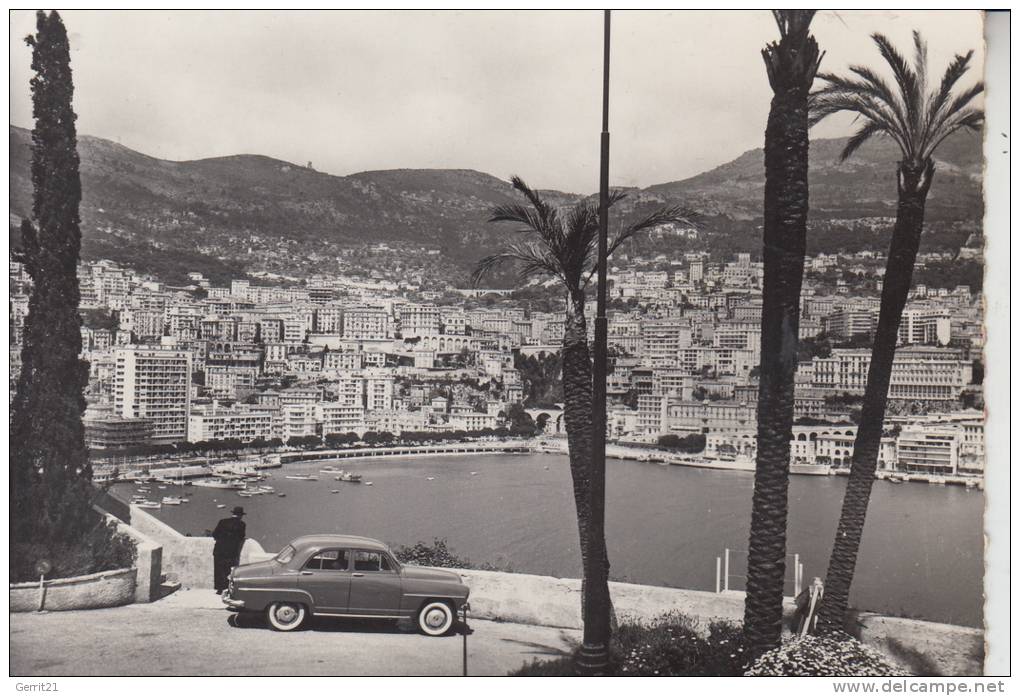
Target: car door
[326,577]
[375,584]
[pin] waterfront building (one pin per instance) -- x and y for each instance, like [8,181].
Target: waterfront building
[217,422]
[110,432]
[916,375]
[154,383]
[929,450]
[339,417]
[710,416]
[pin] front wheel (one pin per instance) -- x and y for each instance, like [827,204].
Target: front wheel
[284,616]
[435,618]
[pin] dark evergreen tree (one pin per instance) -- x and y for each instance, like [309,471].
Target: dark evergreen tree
[50,471]
[791,64]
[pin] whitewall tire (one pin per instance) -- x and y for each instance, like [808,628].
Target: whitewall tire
[435,618]
[285,616]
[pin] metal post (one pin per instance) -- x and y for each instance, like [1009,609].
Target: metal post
[593,658]
[465,632]
[42,592]
[726,570]
[718,574]
[796,575]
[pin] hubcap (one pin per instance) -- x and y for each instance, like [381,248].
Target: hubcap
[286,614]
[435,618]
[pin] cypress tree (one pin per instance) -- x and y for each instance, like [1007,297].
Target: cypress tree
[50,471]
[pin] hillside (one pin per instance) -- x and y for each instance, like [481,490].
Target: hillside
[226,215]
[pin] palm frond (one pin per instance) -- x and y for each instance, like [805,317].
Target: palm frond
[541,207]
[864,134]
[905,78]
[967,119]
[956,69]
[515,212]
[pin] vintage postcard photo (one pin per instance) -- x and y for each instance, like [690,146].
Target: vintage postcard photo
[508,343]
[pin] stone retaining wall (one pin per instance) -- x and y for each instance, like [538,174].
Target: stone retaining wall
[111,588]
[148,560]
[188,560]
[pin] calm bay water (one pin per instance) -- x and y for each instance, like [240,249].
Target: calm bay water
[665,525]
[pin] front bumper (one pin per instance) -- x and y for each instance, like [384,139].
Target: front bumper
[233,604]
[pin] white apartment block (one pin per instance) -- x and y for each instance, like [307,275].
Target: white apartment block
[340,417]
[915,376]
[155,384]
[378,392]
[298,420]
[366,324]
[416,320]
[214,422]
[230,381]
[662,340]
[925,326]
[929,451]
[329,319]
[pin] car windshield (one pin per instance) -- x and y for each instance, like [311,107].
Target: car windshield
[285,555]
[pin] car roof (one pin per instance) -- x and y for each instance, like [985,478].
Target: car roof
[345,540]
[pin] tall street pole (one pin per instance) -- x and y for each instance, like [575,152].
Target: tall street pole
[594,654]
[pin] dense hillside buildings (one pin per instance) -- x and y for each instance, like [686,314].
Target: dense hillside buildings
[349,352]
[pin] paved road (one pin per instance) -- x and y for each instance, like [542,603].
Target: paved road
[190,633]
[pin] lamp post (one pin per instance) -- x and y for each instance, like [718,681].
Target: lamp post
[593,658]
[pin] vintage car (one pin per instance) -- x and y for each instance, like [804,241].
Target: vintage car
[348,576]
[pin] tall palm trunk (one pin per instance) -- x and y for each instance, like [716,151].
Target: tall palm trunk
[577,414]
[913,184]
[791,65]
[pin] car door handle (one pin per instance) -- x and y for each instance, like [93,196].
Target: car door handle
[307,572]
[357,575]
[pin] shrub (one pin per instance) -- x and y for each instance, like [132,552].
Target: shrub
[101,548]
[821,656]
[439,555]
[672,644]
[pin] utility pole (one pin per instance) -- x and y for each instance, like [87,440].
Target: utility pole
[594,655]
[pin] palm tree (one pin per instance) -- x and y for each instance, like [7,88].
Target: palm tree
[563,245]
[791,64]
[918,120]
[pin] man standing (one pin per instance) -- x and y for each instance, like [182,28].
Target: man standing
[229,536]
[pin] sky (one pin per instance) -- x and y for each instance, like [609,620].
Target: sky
[510,92]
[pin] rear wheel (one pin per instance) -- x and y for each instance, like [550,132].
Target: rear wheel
[285,616]
[435,618]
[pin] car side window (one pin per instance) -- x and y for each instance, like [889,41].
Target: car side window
[329,559]
[368,561]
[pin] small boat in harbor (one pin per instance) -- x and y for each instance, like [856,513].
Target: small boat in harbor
[348,477]
[281,495]
[475,473]
[302,477]
[330,470]
[172,500]
[150,505]
[243,494]
[430,478]
[334,491]
[368,483]
[220,506]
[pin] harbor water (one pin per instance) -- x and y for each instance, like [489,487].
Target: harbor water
[921,556]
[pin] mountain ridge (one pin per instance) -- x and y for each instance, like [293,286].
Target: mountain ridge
[213,208]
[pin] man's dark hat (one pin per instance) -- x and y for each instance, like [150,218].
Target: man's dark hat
[237,510]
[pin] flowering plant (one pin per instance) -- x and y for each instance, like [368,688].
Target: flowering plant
[822,656]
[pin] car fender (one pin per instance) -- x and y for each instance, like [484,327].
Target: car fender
[258,598]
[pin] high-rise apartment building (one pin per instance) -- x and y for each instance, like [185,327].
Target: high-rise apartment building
[154,383]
